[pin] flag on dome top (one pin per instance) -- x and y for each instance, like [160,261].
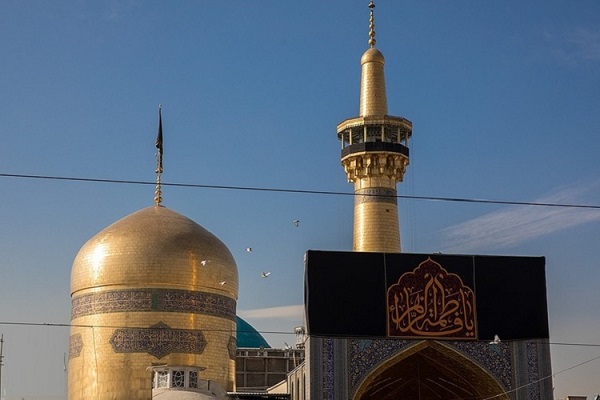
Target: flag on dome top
[159,137]
[159,143]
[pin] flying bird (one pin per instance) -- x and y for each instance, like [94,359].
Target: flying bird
[204,262]
[249,249]
[296,222]
[496,340]
[222,283]
[264,274]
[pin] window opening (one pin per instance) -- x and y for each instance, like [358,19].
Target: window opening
[178,379]
[194,379]
[162,379]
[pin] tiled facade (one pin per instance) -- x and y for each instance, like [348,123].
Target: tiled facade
[338,367]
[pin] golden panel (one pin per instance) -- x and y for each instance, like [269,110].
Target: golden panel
[376,227]
[104,369]
[376,224]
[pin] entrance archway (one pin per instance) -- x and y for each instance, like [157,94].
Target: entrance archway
[430,370]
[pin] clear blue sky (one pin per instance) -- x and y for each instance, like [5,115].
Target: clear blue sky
[505,103]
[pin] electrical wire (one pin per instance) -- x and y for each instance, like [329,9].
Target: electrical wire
[542,379]
[93,327]
[302,191]
[68,325]
[313,192]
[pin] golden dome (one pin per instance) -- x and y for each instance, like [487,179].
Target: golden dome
[155,247]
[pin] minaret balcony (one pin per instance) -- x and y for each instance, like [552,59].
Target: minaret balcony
[377,146]
[375,134]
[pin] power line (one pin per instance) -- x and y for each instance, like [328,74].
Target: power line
[310,192]
[543,378]
[68,325]
[303,191]
[40,324]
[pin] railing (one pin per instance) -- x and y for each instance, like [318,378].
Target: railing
[375,146]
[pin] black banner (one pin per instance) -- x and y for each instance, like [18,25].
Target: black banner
[435,296]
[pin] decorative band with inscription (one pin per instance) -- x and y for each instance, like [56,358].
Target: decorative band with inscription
[142,300]
[75,345]
[158,340]
[376,195]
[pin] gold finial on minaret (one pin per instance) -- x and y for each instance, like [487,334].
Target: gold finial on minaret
[159,154]
[372,40]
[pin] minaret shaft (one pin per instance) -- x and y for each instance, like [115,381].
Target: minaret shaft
[376,226]
[373,98]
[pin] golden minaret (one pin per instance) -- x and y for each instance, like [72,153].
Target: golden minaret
[374,156]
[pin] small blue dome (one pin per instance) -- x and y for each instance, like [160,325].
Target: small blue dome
[249,337]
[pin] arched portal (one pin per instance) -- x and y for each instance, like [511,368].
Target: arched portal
[429,370]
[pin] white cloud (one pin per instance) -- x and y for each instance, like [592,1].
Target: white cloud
[292,312]
[117,10]
[586,43]
[517,224]
[580,44]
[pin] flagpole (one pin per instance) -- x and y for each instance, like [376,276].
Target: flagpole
[159,154]
[1,360]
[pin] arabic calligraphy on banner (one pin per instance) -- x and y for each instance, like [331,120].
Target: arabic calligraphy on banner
[431,302]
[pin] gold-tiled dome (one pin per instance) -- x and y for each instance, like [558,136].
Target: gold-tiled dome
[155,247]
[154,288]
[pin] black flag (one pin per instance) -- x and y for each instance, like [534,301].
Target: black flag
[159,137]
[159,143]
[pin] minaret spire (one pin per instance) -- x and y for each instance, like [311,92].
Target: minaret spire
[373,98]
[372,40]
[374,156]
[159,155]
